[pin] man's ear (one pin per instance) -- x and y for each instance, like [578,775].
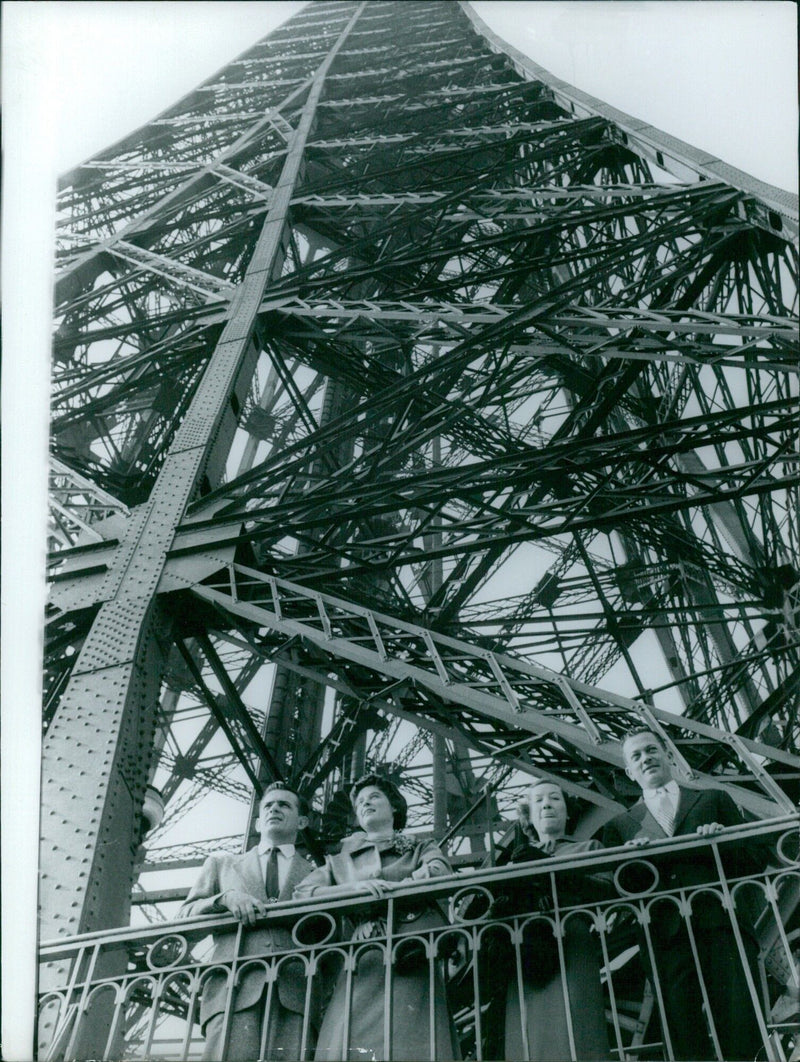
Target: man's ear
[302,822]
[628,772]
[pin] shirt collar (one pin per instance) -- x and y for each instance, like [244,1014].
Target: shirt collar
[285,849]
[671,787]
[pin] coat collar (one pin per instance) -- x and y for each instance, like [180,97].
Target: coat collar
[361,858]
[250,871]
[355,842]
[359,842]
[299,868]
[640,813]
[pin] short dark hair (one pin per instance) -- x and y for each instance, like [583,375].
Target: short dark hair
[390,791]
[643,729]
[302,803]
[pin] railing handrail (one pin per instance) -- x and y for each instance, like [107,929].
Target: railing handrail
[431,888]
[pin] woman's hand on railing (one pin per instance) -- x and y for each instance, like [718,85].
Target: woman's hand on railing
[376,887]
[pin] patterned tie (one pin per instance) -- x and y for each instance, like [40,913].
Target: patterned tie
[271,877]
[663,811]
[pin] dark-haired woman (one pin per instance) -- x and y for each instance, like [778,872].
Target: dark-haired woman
[373,860]
[543,822]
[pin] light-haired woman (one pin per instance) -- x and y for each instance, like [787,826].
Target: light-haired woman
[543,835]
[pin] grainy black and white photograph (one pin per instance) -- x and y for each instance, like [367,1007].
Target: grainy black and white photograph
[403,612]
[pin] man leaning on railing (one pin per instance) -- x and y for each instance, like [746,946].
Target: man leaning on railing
[244,886]
[664,810]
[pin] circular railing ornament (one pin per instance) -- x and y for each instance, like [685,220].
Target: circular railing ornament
[314,929]
[637,877]
[167,952]
[788,847]
[470,904]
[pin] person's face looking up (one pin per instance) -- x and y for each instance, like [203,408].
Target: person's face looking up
[646,761]
[279,817]
[548,810]
[373,810]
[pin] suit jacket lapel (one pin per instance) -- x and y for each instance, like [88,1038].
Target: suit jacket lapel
[250,871]
[298,869]
[649,824]
[686,801]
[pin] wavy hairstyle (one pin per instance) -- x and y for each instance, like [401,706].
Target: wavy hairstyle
[389,790]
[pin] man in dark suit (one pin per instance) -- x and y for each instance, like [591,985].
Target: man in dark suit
[244,886]
[664,810]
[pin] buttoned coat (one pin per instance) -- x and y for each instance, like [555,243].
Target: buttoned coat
[218,875]
[543,991]
[362,1023]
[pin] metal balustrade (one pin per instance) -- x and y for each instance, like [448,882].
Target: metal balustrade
[135,993]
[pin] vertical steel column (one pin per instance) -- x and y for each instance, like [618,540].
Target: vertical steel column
[439,749]
[438,744]
[97,752]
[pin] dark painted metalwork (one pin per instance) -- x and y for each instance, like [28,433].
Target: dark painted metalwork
[384,328]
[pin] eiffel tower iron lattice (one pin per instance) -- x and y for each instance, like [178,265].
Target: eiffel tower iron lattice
[411,407]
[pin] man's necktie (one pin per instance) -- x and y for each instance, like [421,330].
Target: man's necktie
[271,878]
[663,811]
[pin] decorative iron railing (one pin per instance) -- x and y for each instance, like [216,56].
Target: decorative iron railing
[514,944]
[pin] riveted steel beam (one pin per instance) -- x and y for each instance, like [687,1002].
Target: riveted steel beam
[462,675]
[108,700]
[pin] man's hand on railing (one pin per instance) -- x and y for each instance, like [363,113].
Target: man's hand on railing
[524,817]
[500,907]
[243,906]
[706,829]
[709,828]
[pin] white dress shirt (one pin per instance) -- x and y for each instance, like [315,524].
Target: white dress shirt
[662,803]
[285,857]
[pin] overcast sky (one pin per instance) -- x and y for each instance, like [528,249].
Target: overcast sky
[718,73]
[77,76]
